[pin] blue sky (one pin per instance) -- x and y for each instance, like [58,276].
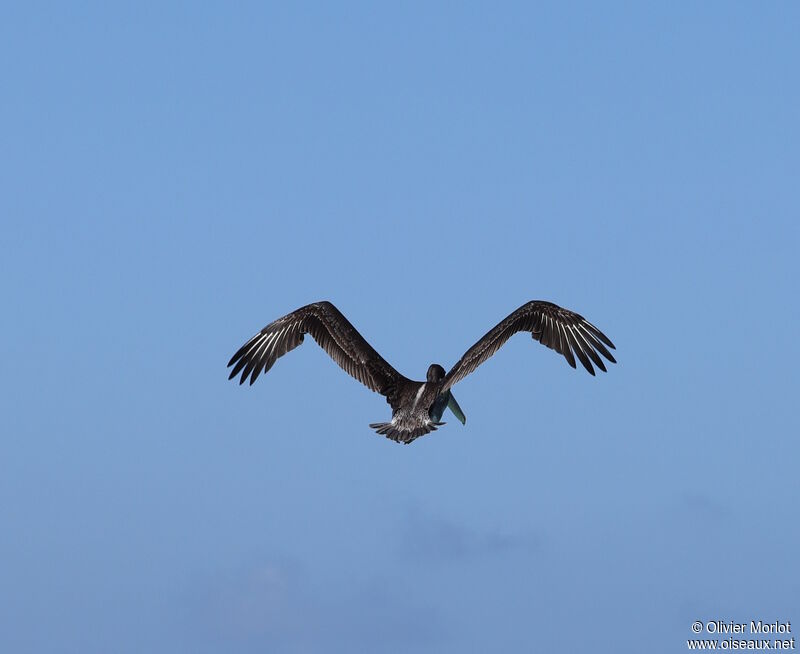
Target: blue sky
[174,177]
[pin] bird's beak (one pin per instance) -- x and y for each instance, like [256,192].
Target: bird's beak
[457,412]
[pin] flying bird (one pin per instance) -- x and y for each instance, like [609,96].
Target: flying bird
[417,407]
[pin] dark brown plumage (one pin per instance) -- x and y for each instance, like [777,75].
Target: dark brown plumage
[417,406]
[562,330]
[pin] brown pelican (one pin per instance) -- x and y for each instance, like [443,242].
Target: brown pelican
[417,407]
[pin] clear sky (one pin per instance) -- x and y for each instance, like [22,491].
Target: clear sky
[175,176]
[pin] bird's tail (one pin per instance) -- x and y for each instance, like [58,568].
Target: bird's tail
[401,435]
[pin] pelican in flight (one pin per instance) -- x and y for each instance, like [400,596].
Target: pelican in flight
[417,407]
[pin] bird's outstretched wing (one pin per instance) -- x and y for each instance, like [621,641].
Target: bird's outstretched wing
[560,329]
[335,335]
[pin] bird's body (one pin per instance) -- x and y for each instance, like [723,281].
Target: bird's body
[417,407]
[412,418]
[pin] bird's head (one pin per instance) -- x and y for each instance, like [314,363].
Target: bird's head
[435,373]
